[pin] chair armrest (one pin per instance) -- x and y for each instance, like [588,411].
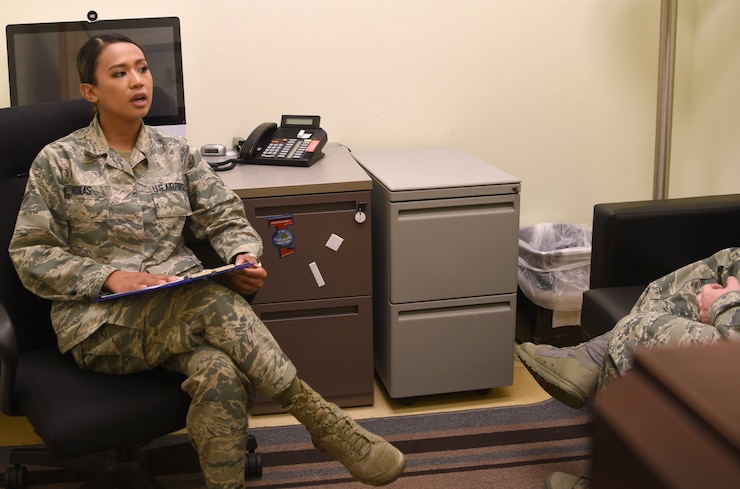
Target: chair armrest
[634,243]
[8,361]
[210,259]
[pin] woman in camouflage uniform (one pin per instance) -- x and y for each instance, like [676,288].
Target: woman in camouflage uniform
[104,211]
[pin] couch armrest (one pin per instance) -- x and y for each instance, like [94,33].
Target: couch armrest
[603,307]
[635,243]
[8,361]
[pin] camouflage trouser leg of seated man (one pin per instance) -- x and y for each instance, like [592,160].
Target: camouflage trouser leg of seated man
[211,335]
[667,313]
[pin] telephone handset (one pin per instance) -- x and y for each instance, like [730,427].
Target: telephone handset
[257,140]
[297,142]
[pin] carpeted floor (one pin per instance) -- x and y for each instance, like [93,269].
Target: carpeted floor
[501,447]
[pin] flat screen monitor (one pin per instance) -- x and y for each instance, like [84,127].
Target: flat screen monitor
[42,62]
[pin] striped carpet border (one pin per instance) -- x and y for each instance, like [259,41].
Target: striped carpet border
[506,447]
[468,444]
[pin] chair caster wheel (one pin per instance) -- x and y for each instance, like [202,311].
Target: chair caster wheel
[254,466]
[16,477]
[254,460]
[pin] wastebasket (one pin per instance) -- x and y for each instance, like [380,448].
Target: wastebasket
[555,264]
[553,272]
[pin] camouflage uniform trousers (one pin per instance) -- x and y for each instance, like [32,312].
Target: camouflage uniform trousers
[211,335]
[667,314]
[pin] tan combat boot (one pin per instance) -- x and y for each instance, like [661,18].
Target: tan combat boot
[568,374]
[561,480]
[370,459]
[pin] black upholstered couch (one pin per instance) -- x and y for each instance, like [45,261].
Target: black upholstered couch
[635,243]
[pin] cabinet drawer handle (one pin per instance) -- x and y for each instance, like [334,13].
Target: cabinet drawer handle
[318,208]
[324,312]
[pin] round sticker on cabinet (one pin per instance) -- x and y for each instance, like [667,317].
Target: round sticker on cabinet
[282,238]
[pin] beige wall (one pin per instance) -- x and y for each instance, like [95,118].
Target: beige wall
[559,93]
[706,157]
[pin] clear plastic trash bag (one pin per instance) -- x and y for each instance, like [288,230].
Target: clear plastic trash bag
[555,264]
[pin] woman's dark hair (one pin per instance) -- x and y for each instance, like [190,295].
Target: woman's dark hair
[87,57]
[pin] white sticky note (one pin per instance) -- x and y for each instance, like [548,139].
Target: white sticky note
[334,242]
[316,274]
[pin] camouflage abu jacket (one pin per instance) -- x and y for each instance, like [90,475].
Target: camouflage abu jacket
[88,212]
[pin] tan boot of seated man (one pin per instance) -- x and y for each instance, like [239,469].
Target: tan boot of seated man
[569,374]
[370,459]
[561,480]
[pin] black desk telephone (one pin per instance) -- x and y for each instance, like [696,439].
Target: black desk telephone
[297,142]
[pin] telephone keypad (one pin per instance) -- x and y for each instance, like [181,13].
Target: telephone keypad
[286,148]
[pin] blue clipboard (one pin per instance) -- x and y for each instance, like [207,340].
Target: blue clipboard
[207,273]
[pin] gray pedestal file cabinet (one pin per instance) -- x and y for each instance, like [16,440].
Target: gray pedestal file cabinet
[445,246]
[326,330]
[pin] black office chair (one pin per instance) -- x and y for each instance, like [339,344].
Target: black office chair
[88,421]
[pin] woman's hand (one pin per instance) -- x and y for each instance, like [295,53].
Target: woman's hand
[710,293]
[121,281]
[248,280]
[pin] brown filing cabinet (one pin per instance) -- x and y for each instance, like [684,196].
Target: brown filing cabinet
[317,300]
